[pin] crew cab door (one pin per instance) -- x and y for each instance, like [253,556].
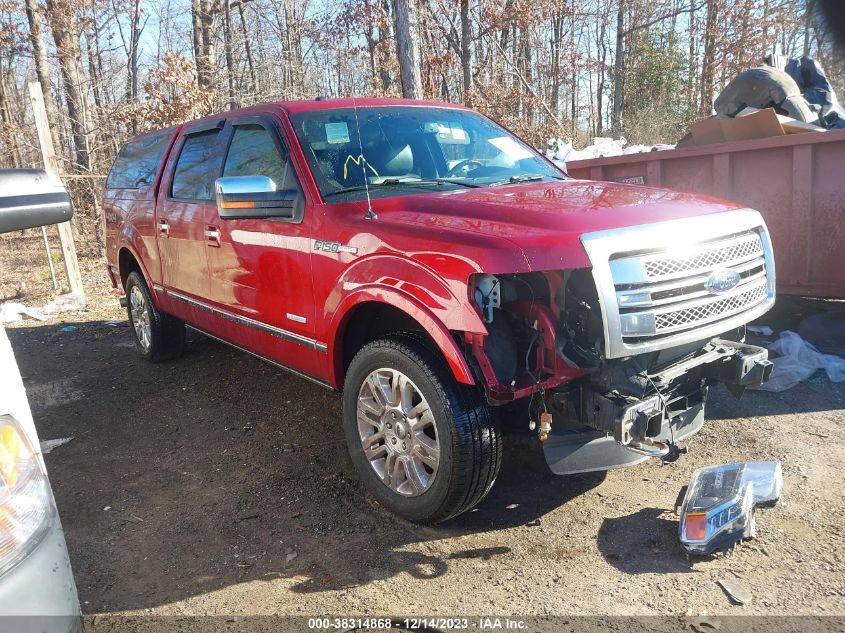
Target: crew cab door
[185,208]
[260,268]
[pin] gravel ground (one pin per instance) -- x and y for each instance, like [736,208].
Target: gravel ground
[218,484]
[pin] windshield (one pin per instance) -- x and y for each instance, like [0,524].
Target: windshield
[405,150]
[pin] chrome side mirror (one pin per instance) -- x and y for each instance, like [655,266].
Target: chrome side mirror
[31,197]
[244,197]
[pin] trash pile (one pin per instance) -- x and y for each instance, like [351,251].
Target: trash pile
[560,151]
[784,96]
[818,344]
[797,360]
[11,311]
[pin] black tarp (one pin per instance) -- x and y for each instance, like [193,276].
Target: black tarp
[814,86]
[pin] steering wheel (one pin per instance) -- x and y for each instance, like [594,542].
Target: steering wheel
[464,164]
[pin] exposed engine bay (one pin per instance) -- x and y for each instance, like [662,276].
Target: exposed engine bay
[546,340]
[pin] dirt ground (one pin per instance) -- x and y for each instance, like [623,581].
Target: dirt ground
[218,484]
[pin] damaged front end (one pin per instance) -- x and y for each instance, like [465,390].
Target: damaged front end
[622,355]
[642,406]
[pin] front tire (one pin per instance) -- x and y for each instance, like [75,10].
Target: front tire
[158,336]
[425,447]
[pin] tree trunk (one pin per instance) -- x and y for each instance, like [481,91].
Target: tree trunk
[405,12]
[7,121]
[602,73]
[385,39]
[466,52]
[248,49]
[227,46]
[618,71]
[705,106]
[384,46]
[134,39]
[65,28]
[203,42]
[693,63]
[808,20]
[42,70]
[557,36]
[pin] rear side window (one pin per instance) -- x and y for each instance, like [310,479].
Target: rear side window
[198,166]
[254,153]
[137,162]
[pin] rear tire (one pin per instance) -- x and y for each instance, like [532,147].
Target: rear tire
[158,336]
[425,447]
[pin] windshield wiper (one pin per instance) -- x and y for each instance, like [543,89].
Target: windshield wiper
[424,182]
[396,182]
[515,179]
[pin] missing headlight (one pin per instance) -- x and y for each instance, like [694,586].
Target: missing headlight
[718,507]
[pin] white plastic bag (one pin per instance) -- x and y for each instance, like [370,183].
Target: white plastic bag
[798,361]
[11,312]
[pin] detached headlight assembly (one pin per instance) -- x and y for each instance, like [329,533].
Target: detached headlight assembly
[26,502]
[718,508]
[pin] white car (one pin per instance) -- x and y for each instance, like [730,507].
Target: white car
[37,590]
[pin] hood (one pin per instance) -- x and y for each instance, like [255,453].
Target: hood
[545,220]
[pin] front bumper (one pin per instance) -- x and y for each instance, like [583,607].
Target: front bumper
[39,594]
[614,430]
[583,451]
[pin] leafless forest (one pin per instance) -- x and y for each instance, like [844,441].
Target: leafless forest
[565,68]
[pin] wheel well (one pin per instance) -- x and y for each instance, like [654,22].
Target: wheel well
[371,321]
[128,264]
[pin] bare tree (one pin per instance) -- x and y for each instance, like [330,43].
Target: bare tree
[64,24]
[466,52]
[408,48]
[42,70]
[619,71]
[708,63]
[202,17]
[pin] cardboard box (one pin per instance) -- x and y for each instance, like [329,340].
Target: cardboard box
[750,123]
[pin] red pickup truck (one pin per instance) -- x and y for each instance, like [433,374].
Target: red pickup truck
[432,266]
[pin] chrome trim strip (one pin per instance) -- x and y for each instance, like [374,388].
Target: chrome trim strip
[158,288]
[695,303]
[632,269]
[662,331]
[602,245]
[688,283]
[265,359]
[258,325]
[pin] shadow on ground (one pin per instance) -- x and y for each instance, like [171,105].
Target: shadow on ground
[649,548]
[218,469]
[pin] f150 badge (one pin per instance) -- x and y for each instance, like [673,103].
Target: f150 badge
[333,247]
[722,281]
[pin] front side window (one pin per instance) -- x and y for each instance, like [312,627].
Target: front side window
[198,167]
[404,150]
[254,153]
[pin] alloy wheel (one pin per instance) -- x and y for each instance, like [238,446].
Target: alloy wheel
[397,432]
[140,317]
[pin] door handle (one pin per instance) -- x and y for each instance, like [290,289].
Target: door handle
[212,236]
[164,228]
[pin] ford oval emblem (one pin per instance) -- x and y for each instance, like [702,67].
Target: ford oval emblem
[722,281]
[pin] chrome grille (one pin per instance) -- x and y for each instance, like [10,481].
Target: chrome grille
[680,319]
[746,247]
[665,284]
[662,292]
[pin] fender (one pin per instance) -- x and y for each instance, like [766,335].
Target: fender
[125,244]
[441,290]
[413,308]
